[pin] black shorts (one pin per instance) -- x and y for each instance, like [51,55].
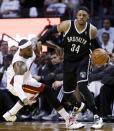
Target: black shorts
[75,72]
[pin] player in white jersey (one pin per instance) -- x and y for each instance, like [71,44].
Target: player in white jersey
[20,83]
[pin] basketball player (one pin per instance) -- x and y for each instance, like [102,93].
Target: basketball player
[79,39]
[20,83]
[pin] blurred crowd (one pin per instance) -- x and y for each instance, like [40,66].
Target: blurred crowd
[54,8]
[48,66]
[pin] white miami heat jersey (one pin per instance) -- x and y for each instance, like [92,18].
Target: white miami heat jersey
[16,58]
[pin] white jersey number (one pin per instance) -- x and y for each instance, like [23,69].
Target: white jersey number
[75,48]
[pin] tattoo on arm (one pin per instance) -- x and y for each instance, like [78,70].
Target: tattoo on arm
[20,68]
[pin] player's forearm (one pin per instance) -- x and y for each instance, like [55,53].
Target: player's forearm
[46,35]
[51,45]
[18,82]
[95,44]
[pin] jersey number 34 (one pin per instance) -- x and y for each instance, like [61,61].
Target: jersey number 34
[75,48]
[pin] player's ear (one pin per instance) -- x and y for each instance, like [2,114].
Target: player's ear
[87,16]
[76,15]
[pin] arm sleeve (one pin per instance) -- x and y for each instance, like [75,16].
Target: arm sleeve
[95,43]
[48,34]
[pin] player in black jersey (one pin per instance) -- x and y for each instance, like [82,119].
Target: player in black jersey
[79,39]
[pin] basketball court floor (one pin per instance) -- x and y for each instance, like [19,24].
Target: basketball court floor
[47,126]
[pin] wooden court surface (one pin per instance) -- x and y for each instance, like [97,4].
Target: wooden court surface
[47,126]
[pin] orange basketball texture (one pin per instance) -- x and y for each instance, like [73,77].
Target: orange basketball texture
[99,57]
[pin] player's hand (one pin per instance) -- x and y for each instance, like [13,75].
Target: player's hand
[28,102]
[38,78]
[34,40]
[57,84]
[39,46]
[39,43]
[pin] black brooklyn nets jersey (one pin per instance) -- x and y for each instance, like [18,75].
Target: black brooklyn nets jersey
[76,44]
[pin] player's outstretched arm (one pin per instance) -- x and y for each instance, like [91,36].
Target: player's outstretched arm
[62,27]
[94,41]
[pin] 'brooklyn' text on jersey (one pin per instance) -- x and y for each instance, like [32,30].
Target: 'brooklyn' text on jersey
[77,39]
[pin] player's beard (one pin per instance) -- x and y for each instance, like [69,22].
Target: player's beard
[28,56]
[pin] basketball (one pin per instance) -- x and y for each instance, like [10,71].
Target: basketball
[99,57]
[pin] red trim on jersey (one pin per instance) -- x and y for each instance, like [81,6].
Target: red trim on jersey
[12,81]
[32,89]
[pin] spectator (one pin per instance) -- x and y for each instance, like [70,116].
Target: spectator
[10,8]
[106,7]
[106,44]
[13,49]
[3,53]
[101,83]
[4,47]
[57,8]
[6,62]
[106,28]
[26,6]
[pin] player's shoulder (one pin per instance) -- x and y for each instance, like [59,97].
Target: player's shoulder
[92,27]
[93,31]
[66,22]
[64,25]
